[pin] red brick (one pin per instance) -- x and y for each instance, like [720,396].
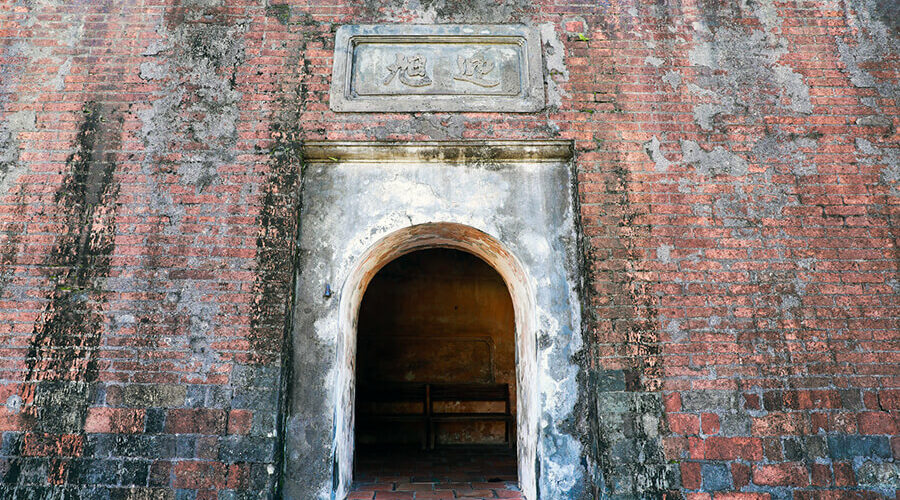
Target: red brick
[880,422]
[195,421]
[740,474]
[238,476]
[52,445]
[731,448]
[779,424]
[160,472]
[821,475]
[889,399]
[675,448]
[690,475]
[239,421]
[786,474]
[672,402]
[685,424]
[10,422]
[207,495]
[394,495]
[751,401]
[448,494]
[843,474]
[772,449]
[809,399]
[114,420]
[512,495]
[819,421]
[710,423]
[199,475]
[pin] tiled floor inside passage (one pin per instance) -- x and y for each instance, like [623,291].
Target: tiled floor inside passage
[473,473]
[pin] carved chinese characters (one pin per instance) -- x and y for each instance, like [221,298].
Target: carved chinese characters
[428,68]
[411,70]
[474,69]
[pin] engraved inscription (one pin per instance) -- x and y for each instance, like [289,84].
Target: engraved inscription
[430,67]
[437,69]
[474,69]
[411,70]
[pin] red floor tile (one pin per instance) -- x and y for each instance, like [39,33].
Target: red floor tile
[470,473]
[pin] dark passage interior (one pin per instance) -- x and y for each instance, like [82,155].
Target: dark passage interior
[436,374]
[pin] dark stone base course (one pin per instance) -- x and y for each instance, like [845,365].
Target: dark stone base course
[84,493]
[110,493]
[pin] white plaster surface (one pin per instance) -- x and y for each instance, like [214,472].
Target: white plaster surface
[353,212]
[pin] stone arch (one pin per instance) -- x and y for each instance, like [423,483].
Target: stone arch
[420,237]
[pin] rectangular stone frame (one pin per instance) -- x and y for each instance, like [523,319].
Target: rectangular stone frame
[513,204]
[529,99]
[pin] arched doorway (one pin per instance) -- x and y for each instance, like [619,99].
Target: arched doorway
[512,204]
[436,377]
[493,256]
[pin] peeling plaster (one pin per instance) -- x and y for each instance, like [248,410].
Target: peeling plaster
[554,65]
[664,253]
[67,34]
[651,147]
[719,161]
[779,148]
[203,57]
[432,126]
[741,66]
[673,78]
[443,11]
[10,166]
[889,175]
[654,61]
[873,42]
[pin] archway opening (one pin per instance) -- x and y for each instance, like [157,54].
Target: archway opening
[494,253]
[436,377]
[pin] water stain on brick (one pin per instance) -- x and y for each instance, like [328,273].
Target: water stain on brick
[206,49]
[189,128]
[275,245]
[9,247]
[281,12]
[62,358]
[621,410]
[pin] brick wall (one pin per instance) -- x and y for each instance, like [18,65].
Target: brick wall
[739,173]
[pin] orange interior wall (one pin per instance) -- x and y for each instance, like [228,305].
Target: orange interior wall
[439,315]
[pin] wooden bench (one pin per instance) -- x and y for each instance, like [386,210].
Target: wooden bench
[371,397]
[425,395]
[466,393]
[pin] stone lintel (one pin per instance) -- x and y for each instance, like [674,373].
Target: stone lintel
[482,151]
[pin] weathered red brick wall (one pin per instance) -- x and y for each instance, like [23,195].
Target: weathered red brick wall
[739,173]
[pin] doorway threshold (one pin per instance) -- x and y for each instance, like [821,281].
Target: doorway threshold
[473,472]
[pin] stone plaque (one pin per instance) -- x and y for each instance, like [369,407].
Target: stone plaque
[437,68]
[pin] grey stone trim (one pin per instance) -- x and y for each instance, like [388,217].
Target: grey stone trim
[448,67]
